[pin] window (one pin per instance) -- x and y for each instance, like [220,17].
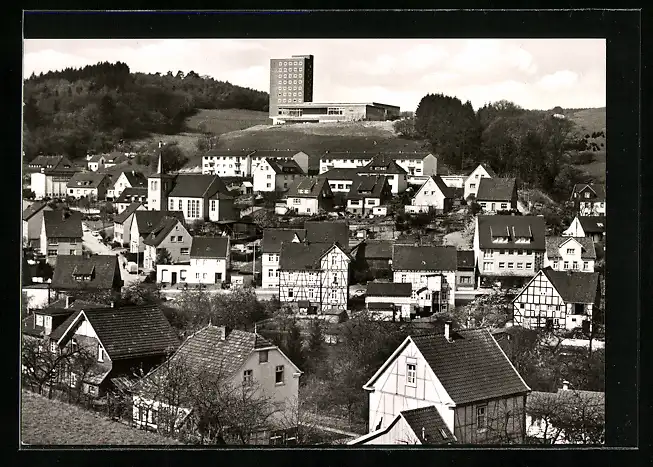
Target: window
[565,265]
[39,320]
[520,265]
[53,346]
[172,204]
[487,254]
[184,251]
[269,185]
[529,265]
[502,265]
[403,278]
[511,252]
[100,353]
[172,238]
[296,201]
[290,293]
[472,185]
[73,252]
[212,205]
[182,275]
[263,356]
[504,205]
[555,265]
[269,176]
[411,372]
[247,377]
[574,265]
[278,374]
[481,419]
[511,265]
[180,238]
[487,265]
[587,195]
[180,208]
[52,252]
[585,265]
[570,251]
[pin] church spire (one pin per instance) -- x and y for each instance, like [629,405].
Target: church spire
[160,167]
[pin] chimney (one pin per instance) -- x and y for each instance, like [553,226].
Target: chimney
[447,330]
[68,302]
[113,304]
[423,434]
[565,385]
[224,332]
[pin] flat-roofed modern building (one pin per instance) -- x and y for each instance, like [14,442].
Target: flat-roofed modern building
[319,112]
[291,81]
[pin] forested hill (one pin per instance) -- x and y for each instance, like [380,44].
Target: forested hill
[91,109]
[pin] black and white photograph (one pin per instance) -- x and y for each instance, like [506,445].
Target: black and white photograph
[298,242]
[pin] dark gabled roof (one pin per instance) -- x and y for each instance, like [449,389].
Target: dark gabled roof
[465,259]
[382,164]
[51,165]
[389,289]
[86,180]
[553,245]
[428,426]
[472,367]
[103,269]
[147,221]
[446,190]
[424,258]
[565,403]
[136,179]
[276,153]
[59,226]
[59,306]
[115,157]
[45,161]
[272,238]
[123,216]
[574,287]
[368,186]
[33,209]
[96,158]
[378,249]
[159,233]
[380,306]
[209,247]
[503,225]
[128,332]
[592,224]
[598,189]
[307,187]
[343,173]
[487,168]
[284,166]
[496,189]
[199,186]
[328,232]
[302,256]
[127,195]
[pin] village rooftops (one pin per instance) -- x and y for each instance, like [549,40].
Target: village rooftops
[470,365]
[553,245]
[161,231]
[424,258]
[595,189]
[501,231]
[465,260]
[592,224]
[327,232]
[284,166]
[302,256]
[33,209]
[63,224]
[128,194]
[367,187]
[330,155]
[86,180]
[343,173]
[273,238]
[210,247]
[306,187]
[147,221]
[377,249]
[428,426]
[574,287]
[75,272]
[135,179]
[447,191]
[199,186]
[382,164]
[496,189]
[389,289]
[126,332]
[123,216]
[51,165]
[115,157]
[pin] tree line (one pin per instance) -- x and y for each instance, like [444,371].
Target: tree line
[533,146]
[92,109]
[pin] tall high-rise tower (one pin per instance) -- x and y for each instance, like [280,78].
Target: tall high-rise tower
[291,81]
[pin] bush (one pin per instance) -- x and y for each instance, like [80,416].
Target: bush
[116,244]
[28,194]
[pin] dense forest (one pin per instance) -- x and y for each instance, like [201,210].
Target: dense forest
[536,147]
[75,111]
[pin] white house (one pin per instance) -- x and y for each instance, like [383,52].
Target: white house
[449,386]
[473,181]
[309,196]
[170,234]
[129,179]
[143,223]
[433,195]
[415,164]
[300,157]
[390,300]
[314,272]
[270,250]
[122,223]
[275,174]
[228,163]
[570,253]
[32,222]
[87,184]
[201,197]
[209,263]
[96,162]
[587,226]
[432,272]
[384,165]
[589,199]
[558,300]
[367,194]
[128,196]
[497,194]
[340,180]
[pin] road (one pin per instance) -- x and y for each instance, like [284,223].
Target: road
[95,245]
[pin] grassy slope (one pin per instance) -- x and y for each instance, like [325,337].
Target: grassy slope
[589,121]
[316,138]
[51,422]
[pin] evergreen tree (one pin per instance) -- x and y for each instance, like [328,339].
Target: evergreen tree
[294,345]
[316,347]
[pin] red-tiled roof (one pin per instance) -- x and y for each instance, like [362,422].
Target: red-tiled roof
[160,232]
[465,259]
[472,367]
[86,180]
[308,187]
[199,186]
[123,216]
[33,209]
[130,193]
[147,221]
[592,224]
[284,166]
[302,256]
[596,190]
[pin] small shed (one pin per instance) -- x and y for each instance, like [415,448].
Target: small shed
[335,315]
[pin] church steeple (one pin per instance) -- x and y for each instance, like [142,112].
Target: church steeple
[160,166]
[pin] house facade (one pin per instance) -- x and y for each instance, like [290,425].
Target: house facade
[49,176]
[474,179]
[386,166]
[129,196]
[309,196]
[128,179]
[367,193]
[143,223]
[209,263]
[236,359]
[88,185]
[271,249]
[589,199]
[390,301]
[558,300]
[433,196]
[171,235]
[314,272]
[497,194]
[431,271]
[275,174]
[587,226]
[466,272]
[122,223]
[61,234]
[414,164]
[462,376]
[201,197]
[96,162]
[570,254]
[508,249]
[33,223]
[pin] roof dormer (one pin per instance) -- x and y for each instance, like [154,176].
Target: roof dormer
[500,234]
[84,272]
[522,234]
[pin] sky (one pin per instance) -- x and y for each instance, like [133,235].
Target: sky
[533,73]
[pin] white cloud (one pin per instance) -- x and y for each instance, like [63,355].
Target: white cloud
[557,80]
